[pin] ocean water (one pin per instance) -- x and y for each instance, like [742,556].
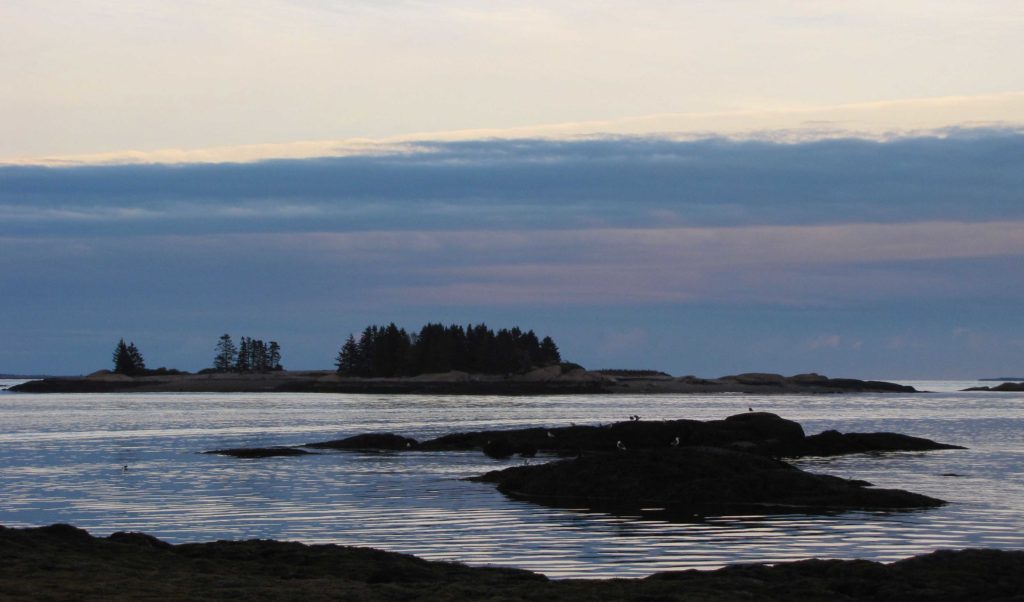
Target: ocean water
[61,459]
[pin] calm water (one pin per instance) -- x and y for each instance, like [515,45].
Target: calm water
[61,458]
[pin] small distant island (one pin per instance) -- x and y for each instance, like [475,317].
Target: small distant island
[438,359]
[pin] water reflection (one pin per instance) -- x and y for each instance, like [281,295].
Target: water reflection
[62,457]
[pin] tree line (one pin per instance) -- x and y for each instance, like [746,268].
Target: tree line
[388,351]
[251,355]
[128,359]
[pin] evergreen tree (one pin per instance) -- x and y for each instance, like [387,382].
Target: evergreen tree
[275,356]
[127,359]
[348,360]
[260,358]
[549,354]
[244,363]
[227,354]
[138,364]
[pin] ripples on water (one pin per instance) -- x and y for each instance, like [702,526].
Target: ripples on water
[61,459]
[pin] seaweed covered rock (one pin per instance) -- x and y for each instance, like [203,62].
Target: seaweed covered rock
[692,480]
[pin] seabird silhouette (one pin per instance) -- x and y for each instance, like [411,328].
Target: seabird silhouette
[675,442]
[750,409]
[620,446]
[124,468]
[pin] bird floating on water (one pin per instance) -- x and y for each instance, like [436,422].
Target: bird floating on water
[124,468]
[750,409]
[620,446]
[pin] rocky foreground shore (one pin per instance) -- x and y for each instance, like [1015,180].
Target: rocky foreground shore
[61,562]
[565,379]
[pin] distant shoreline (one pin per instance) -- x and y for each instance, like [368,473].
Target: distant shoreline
[553,380]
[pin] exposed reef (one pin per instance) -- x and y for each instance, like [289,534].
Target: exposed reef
[566,379]
[61,562]
[259,452]
[682,482]
[1011,387]
[761,433]
[681,467]
[369,441]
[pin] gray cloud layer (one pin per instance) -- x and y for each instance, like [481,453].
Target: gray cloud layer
[812,256]
[973,175]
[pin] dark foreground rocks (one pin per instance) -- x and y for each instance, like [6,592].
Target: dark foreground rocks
[64,563]
[683,482]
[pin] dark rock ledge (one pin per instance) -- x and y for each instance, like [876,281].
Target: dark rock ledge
[1005,387]
[679,483]
[760,433]
[61,562]
[681,468]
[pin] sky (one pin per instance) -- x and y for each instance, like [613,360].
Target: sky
[702,188]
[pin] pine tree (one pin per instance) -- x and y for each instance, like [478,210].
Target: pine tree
[275,356]
[122,360]
[243,363]
[348,360]
[138,364]
[549,354]
[227,354]
[127,359]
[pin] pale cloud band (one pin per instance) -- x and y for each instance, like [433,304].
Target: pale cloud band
[880,120]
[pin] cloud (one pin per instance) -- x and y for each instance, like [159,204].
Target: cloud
[967,175]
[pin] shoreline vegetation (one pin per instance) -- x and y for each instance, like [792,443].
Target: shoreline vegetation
[61,562]
[557,379]
[438,359]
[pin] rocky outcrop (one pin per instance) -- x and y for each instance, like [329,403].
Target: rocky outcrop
[64,563]
[834,443]
[688,481]
[1006,387]
[259,452]
[761,433]
[370,441]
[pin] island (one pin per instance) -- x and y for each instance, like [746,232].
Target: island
[557,379]
[438,359]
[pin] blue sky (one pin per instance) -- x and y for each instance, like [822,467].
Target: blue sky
[701,188]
